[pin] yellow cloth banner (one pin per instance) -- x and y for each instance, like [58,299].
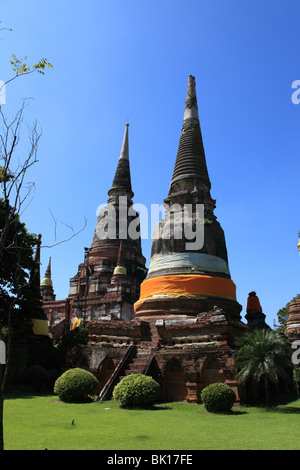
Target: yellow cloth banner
[40,327]
[188,285]
[76,323]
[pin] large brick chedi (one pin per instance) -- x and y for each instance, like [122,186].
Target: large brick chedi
[188,272]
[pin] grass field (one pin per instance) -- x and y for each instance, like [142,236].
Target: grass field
[40,422]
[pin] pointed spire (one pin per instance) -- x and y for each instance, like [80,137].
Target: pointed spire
[48,270]
[125,147]
[47,281]
[191,106]
[120,268]
[120,261]
[34,285]
[190,161]
[122,180]
[37,255]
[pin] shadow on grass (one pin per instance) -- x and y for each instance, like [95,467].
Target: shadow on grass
[238,412]
[287,410]
[154,407]
[282,399]
[166,406]
[278,403]
[230,413]
[13,393]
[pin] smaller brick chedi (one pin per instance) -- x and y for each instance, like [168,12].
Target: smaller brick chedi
[107,282]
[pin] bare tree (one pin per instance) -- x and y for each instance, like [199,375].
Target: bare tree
[16,195]
[17,192]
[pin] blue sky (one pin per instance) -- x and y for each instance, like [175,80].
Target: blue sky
[116,61]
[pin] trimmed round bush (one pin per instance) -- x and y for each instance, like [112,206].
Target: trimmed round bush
[218,398]
[136,390]
[76,386]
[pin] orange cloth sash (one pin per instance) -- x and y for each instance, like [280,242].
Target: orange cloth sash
[190,286]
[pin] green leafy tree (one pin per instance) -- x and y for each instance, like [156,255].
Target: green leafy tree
[263,356]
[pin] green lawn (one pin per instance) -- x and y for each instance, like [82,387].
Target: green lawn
[39,422]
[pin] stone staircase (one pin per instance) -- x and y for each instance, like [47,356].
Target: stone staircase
[134,362]
[138,364]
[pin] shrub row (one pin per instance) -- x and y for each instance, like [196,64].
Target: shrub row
[79,385]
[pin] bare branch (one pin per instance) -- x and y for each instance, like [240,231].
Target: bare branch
[55,224]
[4,29]
[69,226]
[13,172]
[67,239]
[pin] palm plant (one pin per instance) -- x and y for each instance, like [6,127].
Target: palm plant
[263,355]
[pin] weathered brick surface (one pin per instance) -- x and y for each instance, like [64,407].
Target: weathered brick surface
[183,354]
